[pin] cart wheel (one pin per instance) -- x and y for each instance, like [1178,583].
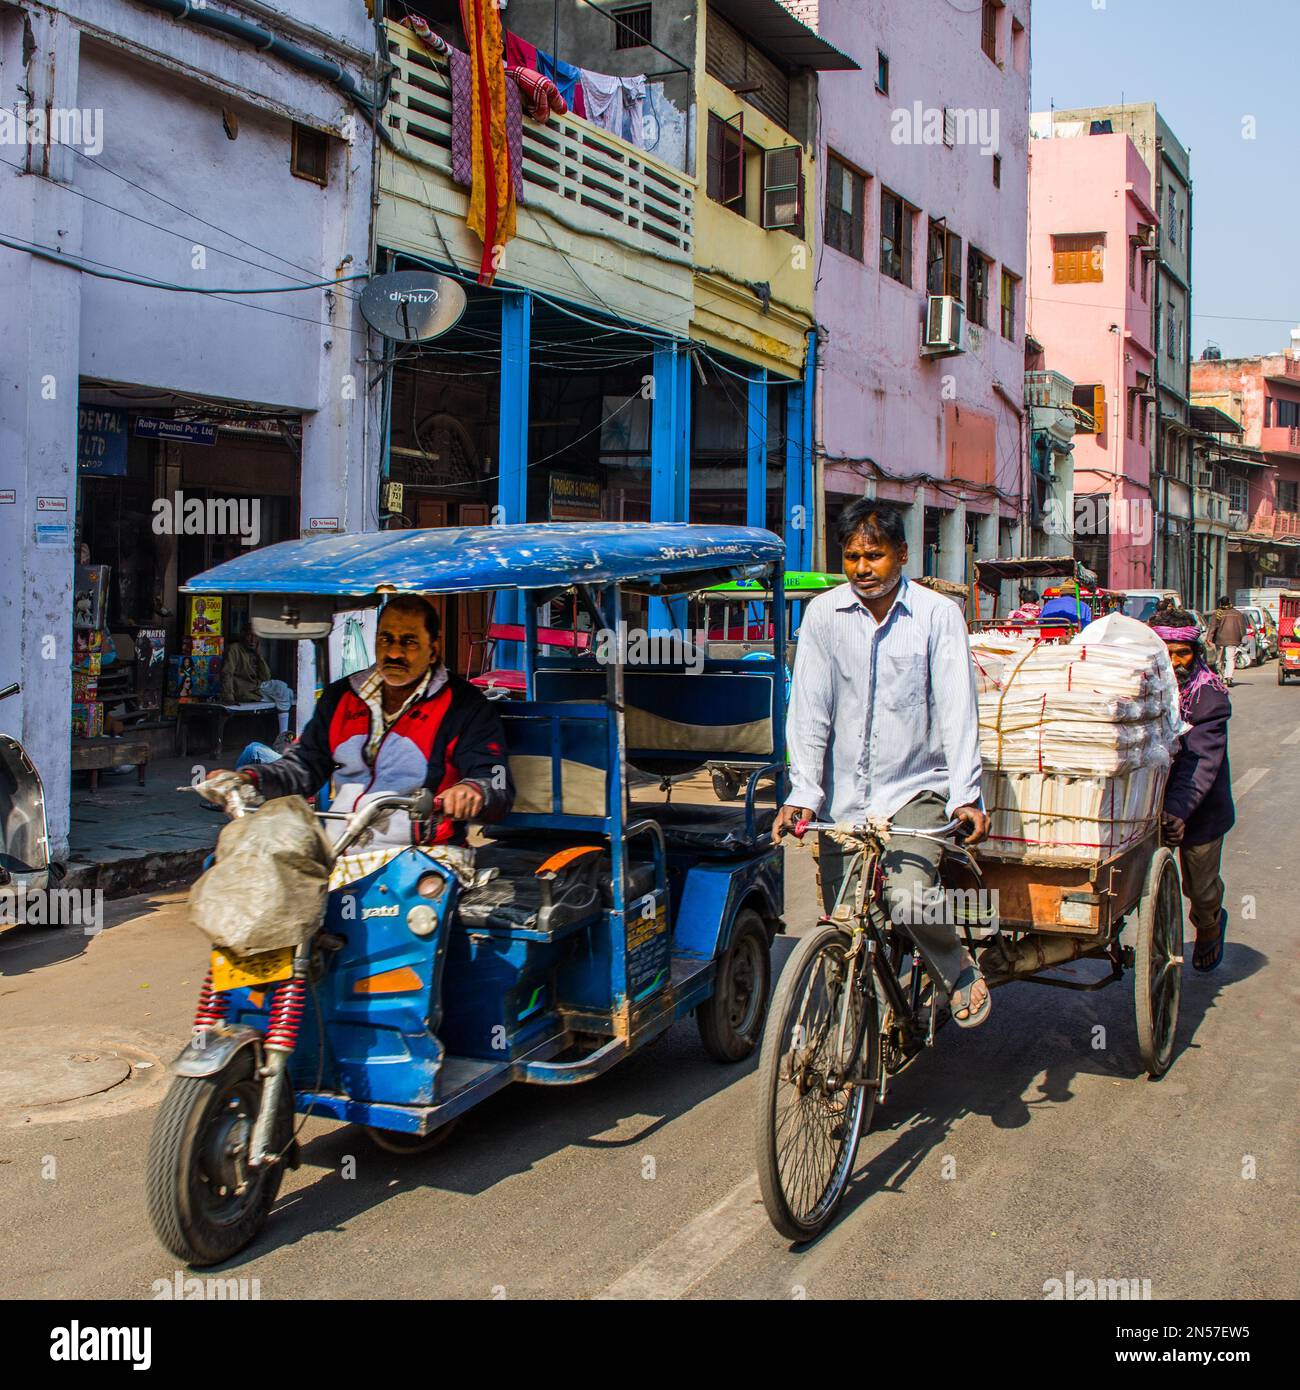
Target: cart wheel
[726,785]
[398,1142]
[1281,674]
[731,1018]
[1158,971]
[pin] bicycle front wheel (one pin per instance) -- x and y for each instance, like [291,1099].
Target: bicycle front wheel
[814,1101]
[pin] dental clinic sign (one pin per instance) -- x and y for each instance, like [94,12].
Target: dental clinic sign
[101,442]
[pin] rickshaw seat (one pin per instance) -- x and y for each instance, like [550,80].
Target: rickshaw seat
[709,830]
[518,898]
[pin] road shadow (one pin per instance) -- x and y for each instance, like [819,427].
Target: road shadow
[24,949]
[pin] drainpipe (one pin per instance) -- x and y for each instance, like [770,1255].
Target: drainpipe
[1163,484]
[234,27]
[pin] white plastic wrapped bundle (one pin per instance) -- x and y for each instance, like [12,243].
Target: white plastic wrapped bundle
[1076,739]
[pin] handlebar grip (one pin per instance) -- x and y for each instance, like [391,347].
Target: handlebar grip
[9,690]
[801,828]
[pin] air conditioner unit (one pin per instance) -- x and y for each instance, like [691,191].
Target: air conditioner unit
[944,329]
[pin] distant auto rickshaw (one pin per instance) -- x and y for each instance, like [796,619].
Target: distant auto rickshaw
[1288,635]
[1077,580]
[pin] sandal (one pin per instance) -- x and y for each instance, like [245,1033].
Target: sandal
[1200,960]
[959,999]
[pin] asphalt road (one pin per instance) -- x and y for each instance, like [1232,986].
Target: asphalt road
[1006,1157]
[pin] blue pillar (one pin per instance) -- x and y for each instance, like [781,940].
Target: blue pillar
[800,503]
[670,461]
[756,450]
[512,445]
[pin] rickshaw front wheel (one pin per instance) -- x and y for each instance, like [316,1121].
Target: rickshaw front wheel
[731,1018]
[204,1202]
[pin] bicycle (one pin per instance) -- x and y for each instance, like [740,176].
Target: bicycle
[831,1043]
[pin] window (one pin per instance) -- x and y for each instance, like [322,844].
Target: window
[1142,421]
[1288,414]
[997,171]
[1093,400]
[896,237]
[631,26]
[1009,283]
[746,69]
[845,188]
[1237,495]
[1146,263]
[310,155]
[1019,46]
[1268,412]
[1171,335]
[977,287]
[1132,264]
[949,126]
[1077,257]
[1131,405]
[1287,500]
[943,262]
[1171,218]
[1178,241]
[882,72]
[989,29]
[726,160]
[783,188]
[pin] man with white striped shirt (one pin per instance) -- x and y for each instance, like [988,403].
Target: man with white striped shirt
[883,721]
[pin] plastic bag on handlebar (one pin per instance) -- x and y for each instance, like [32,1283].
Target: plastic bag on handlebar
[268,886]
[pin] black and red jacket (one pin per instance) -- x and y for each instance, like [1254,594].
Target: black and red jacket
[450,734]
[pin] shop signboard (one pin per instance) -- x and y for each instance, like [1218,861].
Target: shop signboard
[179,431]
[101,442]
[574,498]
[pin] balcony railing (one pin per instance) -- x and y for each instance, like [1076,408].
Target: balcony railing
[1286,524]
[1289,372]
[568,163]
[1049,389]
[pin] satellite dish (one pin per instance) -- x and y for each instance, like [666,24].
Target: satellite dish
[412,306]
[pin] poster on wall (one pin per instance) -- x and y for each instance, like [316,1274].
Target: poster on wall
[89,595]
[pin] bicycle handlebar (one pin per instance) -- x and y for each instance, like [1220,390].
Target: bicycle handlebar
[804,826]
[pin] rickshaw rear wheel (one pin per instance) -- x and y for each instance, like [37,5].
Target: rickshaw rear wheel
[731,1019]
[197,1163]
[396,1142]
[726,785]
[1157,969]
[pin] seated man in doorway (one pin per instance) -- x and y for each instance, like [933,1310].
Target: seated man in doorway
[246,680]
[884,722]
[402,724]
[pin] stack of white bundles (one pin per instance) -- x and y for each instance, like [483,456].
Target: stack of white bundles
[1076,739]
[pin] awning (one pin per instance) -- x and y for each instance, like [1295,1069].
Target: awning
[1209,419]
[770,24]
[992,574]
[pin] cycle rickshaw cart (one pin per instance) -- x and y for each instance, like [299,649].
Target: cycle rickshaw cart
[854,1005]
[588,921]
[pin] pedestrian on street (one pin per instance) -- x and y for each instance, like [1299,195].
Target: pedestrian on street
[884,722]
[1198,809]
[1226,630]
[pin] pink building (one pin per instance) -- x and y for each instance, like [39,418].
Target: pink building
[923,189]
[1092,239]
[1262,466]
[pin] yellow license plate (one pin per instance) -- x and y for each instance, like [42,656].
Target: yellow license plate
[241,972]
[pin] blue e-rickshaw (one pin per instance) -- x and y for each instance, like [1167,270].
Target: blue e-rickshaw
[576,930]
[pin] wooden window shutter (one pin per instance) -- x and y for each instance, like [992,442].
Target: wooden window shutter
[1098,410]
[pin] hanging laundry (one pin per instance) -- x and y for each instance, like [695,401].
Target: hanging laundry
[432,41]
[615,104]
[492,195]
[520,53]
[540,95]
[462,103]
[566,77]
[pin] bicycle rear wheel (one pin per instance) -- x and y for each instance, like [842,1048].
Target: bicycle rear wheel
[809,1123]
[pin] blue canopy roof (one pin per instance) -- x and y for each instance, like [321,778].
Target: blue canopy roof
[452,559]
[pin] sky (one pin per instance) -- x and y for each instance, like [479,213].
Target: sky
[1208,65]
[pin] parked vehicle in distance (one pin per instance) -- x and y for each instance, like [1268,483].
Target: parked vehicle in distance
[1141,603]
[1270,632]
[1267,599]
[1288,635]
[1256,644]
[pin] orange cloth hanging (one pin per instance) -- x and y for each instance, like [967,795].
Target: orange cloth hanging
[492,194]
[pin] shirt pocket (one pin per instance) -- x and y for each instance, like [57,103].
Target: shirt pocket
[901,682]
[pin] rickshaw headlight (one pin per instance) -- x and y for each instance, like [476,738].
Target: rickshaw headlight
[422,920]
[431,886]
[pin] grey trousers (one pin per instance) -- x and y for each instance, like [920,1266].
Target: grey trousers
[911,869]
[1202,886]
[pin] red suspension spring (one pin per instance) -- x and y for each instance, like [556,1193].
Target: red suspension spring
[212,1006]
[286,1014]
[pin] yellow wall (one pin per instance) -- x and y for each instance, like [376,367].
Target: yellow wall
[732,252]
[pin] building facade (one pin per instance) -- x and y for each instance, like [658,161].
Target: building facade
[1261,467]
[1179,520]
[1093,234]
[179,155]
[922,189]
